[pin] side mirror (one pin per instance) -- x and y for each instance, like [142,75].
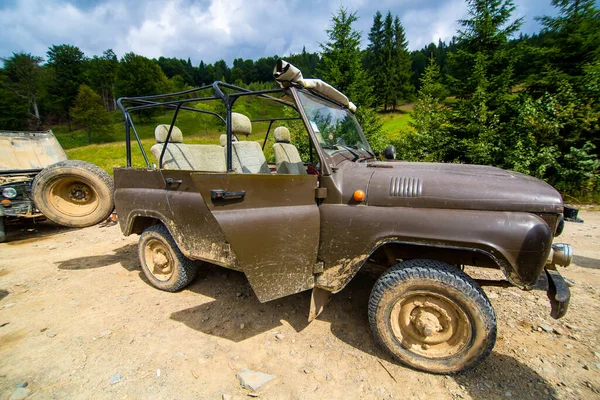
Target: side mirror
[389,153]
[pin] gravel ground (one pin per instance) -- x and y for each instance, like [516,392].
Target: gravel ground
[78,320]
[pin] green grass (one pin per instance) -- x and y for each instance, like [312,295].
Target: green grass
[110,155]
[190,123]
[396,123]
[108,151]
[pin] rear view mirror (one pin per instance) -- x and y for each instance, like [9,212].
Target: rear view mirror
[389,153]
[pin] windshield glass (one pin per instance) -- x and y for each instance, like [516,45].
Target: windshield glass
[335,127]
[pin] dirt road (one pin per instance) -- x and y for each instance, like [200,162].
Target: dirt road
[78,320]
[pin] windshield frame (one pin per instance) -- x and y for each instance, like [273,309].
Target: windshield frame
[329,161]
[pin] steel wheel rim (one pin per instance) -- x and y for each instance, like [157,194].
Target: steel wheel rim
[73,196]
[430,324]
[159,260]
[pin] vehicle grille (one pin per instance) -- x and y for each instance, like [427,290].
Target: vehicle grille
[406,187]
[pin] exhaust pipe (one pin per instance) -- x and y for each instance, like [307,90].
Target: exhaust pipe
[561,254]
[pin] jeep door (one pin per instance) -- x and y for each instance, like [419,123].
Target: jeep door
[271,222]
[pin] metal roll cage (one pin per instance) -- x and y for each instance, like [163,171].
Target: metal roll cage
[128,104]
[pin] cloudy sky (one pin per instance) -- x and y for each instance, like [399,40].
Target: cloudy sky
[210,30]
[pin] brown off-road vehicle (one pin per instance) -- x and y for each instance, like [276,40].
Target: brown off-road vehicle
[326,207]
[37,180]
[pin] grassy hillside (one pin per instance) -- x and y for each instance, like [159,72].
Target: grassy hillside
[197,129]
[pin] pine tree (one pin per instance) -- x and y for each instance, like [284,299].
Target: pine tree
[374,59]
[572,39]
[341,59]
[430,119]
[202,77]
[483,79]
[388,61]
[341,67]
[90,112]
[387,66]
[403,89]
[483,39]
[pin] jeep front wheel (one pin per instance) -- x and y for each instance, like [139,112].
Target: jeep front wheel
[163,263]
[432,317]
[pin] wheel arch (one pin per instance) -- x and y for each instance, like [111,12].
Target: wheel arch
[140,223]
[139,220]
[335,279]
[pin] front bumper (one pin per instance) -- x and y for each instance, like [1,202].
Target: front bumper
[19,208]
[558,292]
[552,281]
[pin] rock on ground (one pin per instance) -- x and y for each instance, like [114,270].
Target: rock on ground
[253,380]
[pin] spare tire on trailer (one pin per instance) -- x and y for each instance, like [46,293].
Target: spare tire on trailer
[74,193]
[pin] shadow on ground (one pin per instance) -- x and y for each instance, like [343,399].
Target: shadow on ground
[586,262]
[500,374]
[23,231]
[3,293]
[235,304]
[126,256]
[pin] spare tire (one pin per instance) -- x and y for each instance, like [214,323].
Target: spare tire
[74,193]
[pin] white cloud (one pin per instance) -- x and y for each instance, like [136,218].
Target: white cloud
[427,25]
[211,29]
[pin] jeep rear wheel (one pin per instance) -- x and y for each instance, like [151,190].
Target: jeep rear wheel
[432,317]
[74,193]
[164,265]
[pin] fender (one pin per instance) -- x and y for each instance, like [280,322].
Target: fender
[145,190]
[517,242]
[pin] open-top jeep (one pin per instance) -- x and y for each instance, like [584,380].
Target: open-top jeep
[313,218]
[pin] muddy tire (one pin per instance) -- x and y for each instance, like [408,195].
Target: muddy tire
[2,231]
[432,317]
[163,263]
[74,193]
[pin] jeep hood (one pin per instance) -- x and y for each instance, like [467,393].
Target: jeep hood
[24,151]
[458,186]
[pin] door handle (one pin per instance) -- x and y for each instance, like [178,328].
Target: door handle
[171,181]
[219,194]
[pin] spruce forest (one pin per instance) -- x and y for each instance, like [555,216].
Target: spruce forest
[491,95]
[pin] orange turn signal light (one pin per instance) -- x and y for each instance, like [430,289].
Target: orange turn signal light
[6,203]
[359,195]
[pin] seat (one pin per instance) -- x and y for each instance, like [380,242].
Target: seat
[223,140]
[177,155]
[287,158]
[247,157]
[208,157]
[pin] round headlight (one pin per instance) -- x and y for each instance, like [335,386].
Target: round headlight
[9,192]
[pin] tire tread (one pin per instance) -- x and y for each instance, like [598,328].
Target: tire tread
[186,269]
[55,170]
[441,272]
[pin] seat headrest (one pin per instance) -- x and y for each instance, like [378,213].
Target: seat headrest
[282,134]
[161,131]
[240,124]
[223,139]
